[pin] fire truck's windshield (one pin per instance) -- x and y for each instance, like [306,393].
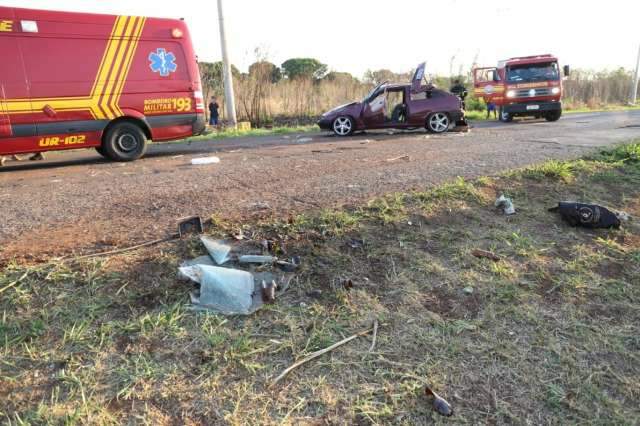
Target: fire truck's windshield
[533,72]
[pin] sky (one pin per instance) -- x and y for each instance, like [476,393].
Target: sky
[357,35]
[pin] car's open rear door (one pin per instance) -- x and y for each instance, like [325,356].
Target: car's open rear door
[487,83]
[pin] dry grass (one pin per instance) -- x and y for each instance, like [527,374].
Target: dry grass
[549,335]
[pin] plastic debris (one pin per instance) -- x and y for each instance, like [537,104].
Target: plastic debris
[506,205]
[257,259]
[205,161]
[228,291]
[218,250]
[587,215]
[439,403]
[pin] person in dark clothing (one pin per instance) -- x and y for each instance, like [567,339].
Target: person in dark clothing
[458,89]
[214,115]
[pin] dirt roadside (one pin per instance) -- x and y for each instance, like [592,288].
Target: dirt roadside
[77,203]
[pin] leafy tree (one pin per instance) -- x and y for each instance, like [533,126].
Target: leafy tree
[213,77]
[265,68]
[305,68]
[340,77]
[380,76]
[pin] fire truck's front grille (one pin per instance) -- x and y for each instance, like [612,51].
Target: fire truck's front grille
[530,93]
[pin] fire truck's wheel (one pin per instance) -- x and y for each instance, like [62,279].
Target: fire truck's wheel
[125,141]
[505,117]
[438,122]
[553,115]
[343,126]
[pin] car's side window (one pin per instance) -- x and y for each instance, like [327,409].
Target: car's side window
[420,96]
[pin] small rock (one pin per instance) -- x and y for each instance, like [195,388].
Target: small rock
[468,290]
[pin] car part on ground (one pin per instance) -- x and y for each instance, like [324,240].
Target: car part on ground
[587,215]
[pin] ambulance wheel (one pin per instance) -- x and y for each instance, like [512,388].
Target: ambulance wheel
[100,151]
[125,141]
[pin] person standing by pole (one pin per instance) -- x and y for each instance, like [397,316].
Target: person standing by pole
[214,114]
[228,77]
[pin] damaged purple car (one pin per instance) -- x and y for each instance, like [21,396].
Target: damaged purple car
[399,106]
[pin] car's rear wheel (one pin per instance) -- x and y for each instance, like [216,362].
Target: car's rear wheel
[505,117]
[553,115]
[125,141]
[343,126]
[438,122]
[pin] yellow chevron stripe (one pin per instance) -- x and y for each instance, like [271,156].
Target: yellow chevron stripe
[133,46]
[102,80]
[120,49]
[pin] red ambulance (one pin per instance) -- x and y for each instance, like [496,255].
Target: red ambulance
[78,80]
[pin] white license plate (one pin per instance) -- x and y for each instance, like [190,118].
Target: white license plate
[532,107]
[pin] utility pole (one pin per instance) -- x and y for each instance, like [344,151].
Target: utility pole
[226,68]
[634,89]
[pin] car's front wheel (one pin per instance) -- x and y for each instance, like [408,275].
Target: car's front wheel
[438,122]
[343,126]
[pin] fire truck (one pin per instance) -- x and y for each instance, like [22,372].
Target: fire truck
[78,80]
[524,86]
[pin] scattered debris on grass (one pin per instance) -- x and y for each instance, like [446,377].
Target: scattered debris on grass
[506,205]
[587,215]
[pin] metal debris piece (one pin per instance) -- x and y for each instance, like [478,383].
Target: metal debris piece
[217,249]
[440,405]
[506,205]
[190,225]
[249,258]
[587,215]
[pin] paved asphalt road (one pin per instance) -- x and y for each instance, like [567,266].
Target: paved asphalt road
[77,202]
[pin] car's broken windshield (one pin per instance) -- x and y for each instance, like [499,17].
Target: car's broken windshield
[533,72]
